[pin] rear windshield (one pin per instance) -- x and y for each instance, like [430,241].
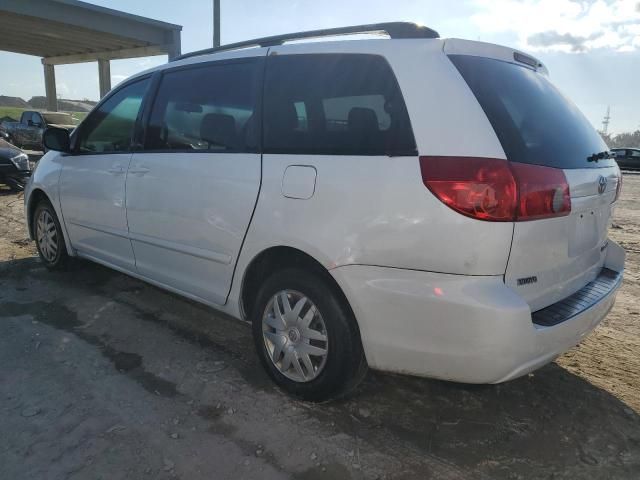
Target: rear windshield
[534,122]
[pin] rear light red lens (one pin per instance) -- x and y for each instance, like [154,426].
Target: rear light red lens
[481,188]
[543,192]
[497,190]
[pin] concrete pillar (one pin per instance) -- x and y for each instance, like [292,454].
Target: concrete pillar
[50,87]
[176,48]
[216,23]
[104,76]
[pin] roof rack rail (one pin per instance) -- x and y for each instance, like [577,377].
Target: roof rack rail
[393,29]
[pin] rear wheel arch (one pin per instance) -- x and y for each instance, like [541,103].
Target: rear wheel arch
[277,258]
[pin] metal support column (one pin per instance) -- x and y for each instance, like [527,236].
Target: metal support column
[104,76]
[176,48]
[50,86]
[216,23]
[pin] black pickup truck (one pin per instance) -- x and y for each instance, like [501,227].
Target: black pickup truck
[27,133]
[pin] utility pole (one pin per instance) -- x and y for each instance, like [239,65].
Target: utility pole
[606,120]
[216,23]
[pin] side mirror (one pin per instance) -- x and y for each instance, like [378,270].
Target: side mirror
[56,139]
[4,135]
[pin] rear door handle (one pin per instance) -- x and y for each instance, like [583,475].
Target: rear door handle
[116,170]
[139,170]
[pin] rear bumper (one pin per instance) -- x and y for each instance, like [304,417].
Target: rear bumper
[471,329]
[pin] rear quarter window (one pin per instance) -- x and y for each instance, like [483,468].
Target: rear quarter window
[334,104]
[534,122]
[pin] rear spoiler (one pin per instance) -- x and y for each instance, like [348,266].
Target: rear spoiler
[457,46]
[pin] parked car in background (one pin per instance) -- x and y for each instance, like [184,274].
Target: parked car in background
[627,158]
[419,205]
[27,133]
[14,165]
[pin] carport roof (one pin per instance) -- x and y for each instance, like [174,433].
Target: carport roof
[70,31]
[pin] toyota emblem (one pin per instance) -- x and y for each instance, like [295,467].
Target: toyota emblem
[602,184]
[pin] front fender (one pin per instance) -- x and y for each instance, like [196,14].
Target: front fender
[44,181]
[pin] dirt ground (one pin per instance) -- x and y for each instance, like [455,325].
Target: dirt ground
[103,376]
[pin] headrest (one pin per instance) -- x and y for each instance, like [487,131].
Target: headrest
[363,120]
[219,130]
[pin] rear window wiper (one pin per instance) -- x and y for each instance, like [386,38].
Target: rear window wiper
[600,156]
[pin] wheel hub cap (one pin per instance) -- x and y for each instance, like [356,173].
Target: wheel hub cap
[47,236]
[295,336]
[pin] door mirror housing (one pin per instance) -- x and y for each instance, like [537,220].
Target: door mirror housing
[57,139]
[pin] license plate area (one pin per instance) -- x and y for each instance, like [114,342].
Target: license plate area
[587,228]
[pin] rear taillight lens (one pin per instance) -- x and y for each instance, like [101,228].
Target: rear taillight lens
[543,192]
[481,188]
[497,190]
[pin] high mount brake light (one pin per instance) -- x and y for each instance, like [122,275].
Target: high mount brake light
[496,190]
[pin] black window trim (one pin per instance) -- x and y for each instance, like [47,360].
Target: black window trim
[329,152]
[76,132]
[152,93]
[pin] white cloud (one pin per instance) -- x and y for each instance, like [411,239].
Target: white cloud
[564,25]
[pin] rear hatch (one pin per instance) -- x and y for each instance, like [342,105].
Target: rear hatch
[552,257]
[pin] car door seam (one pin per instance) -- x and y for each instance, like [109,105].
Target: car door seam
[261,153]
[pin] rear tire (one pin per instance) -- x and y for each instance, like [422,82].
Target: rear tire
[306,337]
[49,238]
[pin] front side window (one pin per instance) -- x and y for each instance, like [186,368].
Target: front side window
[110,127]
[206,108]
[335,104]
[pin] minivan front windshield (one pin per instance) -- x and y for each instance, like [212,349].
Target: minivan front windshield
[534,122]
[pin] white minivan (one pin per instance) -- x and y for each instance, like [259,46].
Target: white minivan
[427,206]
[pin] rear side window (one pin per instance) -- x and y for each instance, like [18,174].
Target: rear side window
[206,108]
[534,122]
[332,104]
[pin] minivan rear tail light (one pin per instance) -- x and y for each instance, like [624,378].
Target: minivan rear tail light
[543,192]
[481,188]
[497,190]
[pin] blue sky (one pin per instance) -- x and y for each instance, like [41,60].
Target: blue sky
[592,47]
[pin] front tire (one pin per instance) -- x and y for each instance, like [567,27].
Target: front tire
[49,238]
[306,337]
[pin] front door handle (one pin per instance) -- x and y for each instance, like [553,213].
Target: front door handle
[116,170]
[139,170]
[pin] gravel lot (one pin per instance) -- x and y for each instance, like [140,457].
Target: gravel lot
[103,376]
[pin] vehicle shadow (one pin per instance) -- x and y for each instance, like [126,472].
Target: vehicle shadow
[550,424]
